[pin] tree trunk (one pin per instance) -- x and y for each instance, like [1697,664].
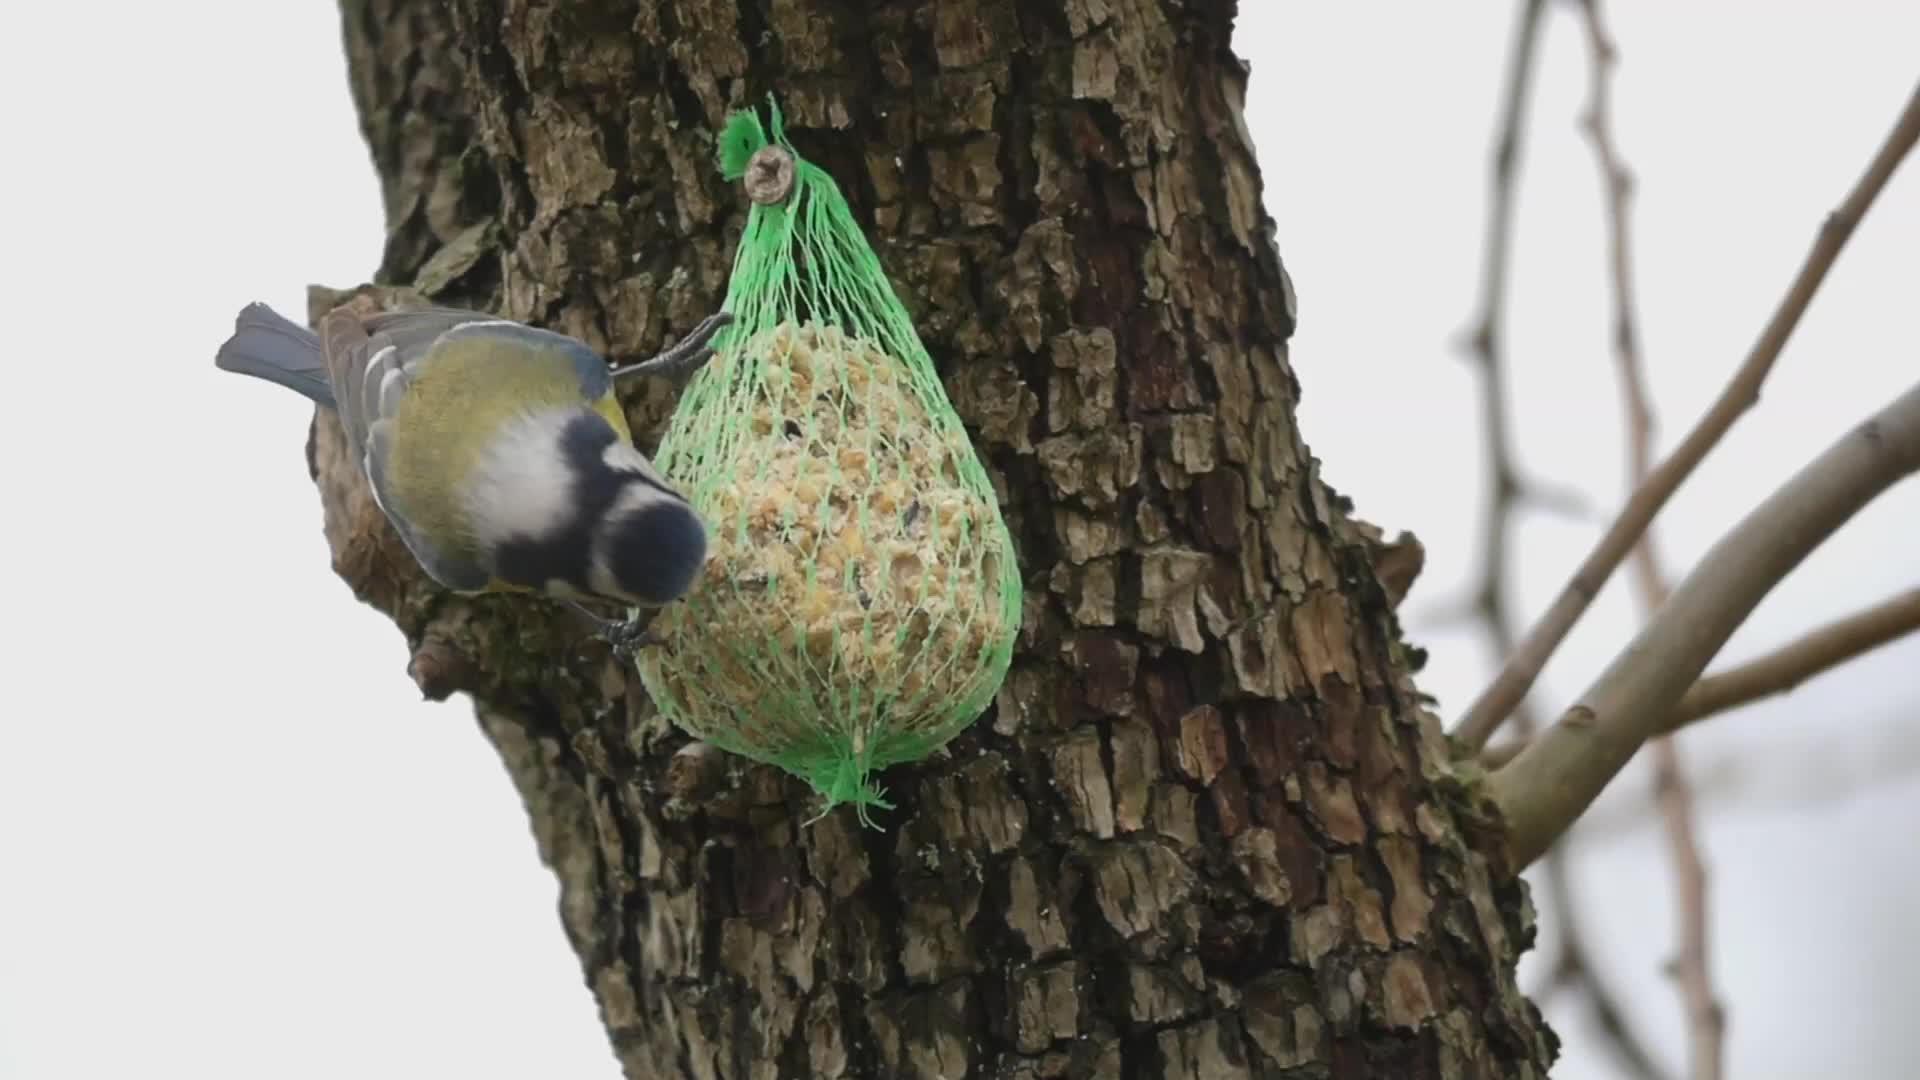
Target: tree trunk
[1208,830]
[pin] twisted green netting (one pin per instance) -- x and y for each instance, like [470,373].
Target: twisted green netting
[861,597]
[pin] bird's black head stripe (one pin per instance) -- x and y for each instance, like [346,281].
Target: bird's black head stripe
[565,554]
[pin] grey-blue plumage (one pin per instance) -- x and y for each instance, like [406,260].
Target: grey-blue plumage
[269,346]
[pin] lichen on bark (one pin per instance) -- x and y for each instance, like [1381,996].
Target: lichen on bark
[1207,829]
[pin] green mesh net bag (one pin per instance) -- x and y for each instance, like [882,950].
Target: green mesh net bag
[860,598]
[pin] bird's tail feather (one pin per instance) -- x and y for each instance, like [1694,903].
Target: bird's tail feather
[267,345]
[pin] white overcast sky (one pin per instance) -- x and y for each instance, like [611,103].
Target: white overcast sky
[233,843]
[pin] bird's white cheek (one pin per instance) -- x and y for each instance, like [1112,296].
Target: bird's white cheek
[521,489]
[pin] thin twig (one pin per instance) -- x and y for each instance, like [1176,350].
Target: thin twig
[1558,775]
[1706,1022]
[1573,969]
[1485,715]
[1807,773]
[1507,494]
[1491,601]
[1787,667]
[1779,671]
[1706,1018]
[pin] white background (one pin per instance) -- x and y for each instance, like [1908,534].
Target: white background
[234,844]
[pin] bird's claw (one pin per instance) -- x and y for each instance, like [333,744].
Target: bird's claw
[630,635]
[685,356]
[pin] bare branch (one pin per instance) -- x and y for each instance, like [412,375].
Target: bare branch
[1810,772]
[1573,968]
[1505,490]
[1779,671]
[1787,667]
[1706,1020]
[1508,493]
[1557,776]
[1486,714]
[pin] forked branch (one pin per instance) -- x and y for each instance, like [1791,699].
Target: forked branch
[1557,776]
[1517,676]
[1779,671]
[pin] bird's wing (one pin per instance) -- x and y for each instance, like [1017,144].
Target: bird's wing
[412,333]
[370,374]
[372,361]
[456,572]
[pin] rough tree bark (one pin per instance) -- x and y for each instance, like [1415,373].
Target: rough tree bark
[1209,829]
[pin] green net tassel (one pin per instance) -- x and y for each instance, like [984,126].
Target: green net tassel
[861,596]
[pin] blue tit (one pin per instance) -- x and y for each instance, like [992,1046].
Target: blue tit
[497,450]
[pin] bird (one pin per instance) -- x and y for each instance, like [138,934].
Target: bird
[497,450]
